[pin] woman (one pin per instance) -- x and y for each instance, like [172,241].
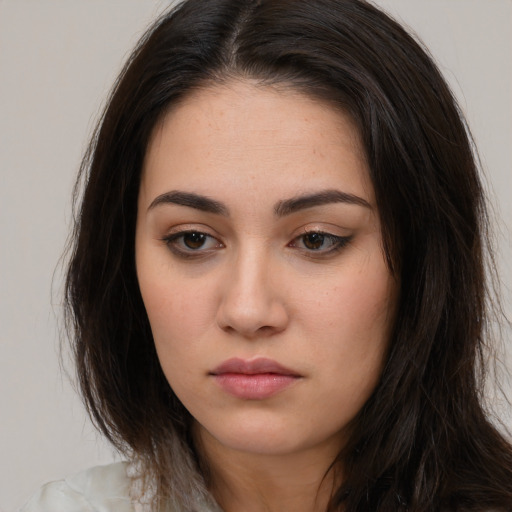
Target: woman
[277,287]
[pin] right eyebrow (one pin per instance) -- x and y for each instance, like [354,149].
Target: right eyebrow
[197,201]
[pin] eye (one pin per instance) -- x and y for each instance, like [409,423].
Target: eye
[320,242]
[194,240]
[191,243]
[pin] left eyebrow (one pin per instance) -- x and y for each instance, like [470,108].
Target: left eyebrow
[289,206]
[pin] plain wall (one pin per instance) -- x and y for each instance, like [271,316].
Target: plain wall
[57,61]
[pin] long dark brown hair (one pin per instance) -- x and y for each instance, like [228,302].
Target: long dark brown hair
[422,442]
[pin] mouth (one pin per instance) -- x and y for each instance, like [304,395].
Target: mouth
[257,379]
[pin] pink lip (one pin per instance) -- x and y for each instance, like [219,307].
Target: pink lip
[253,380]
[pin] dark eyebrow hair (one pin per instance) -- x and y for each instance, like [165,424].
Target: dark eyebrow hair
[281,209]
[197,201]
[295,204]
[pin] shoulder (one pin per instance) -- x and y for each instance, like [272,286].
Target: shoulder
[98,489]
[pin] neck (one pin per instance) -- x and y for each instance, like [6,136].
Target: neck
[252,482]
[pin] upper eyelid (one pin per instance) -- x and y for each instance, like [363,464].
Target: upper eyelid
[334,231]
[190,228]
[185,231]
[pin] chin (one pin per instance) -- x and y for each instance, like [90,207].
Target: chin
[266,437]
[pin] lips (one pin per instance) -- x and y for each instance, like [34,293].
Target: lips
[253,380]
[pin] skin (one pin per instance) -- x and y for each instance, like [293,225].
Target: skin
[259,284]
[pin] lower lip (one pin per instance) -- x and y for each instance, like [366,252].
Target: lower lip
[254,386]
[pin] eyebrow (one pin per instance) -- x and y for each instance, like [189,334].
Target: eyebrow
[197,201]
[295,204]
[281,209]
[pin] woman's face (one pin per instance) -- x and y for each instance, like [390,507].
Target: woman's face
[260,262]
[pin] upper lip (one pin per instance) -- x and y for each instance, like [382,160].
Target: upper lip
[252,367]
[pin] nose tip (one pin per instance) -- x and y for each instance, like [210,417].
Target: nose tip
[251,305]
[251,322]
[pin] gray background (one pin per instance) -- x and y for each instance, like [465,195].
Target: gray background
[57,62]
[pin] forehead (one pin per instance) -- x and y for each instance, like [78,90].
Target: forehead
[248,132]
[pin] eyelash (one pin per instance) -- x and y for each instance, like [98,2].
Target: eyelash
[173,242]
[337,243]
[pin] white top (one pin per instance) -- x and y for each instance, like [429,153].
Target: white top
[98,489]
[109,488]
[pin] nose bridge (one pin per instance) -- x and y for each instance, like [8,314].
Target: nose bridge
[250,302]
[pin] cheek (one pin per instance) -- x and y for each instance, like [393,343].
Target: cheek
[180,311]
[359,302]
[353,318]
[176,312]
[175,319]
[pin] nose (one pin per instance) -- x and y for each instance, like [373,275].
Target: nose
[252,302]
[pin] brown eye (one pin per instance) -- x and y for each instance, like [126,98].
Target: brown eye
[313,241]
[192,244]
[194,240]
[320,243]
